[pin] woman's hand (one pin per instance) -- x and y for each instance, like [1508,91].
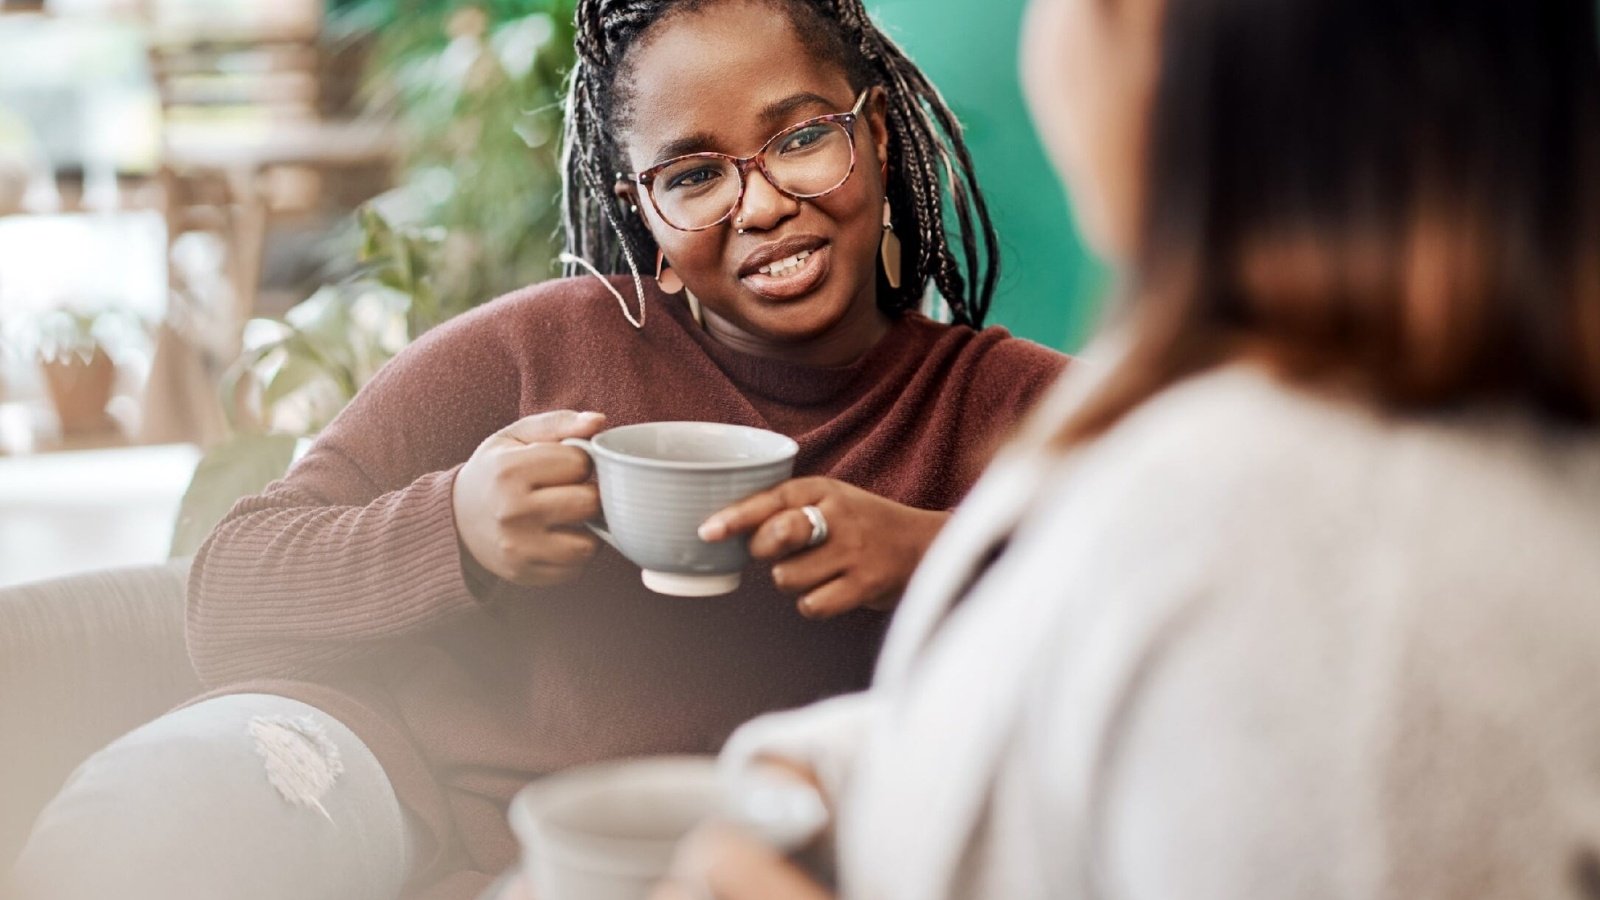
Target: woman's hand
[521,497]
[723,863]
[873,544]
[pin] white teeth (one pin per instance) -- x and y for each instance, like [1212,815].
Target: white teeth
[785,266]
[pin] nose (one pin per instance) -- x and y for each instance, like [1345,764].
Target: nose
[764,207]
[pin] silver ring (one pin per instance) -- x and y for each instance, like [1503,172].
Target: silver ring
[819,525]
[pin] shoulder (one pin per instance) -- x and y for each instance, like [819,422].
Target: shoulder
[1230,445]
[580,303]
[1237,479]
[989,365]
[993,348]
[544,320]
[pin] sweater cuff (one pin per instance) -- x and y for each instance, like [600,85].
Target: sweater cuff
[824,737]
[440,562]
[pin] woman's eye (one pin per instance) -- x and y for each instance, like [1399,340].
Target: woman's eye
[693,178]
[804,138]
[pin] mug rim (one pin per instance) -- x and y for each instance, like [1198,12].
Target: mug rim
[789,449]
[598,851]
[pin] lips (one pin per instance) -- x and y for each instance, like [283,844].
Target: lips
[778,251]
[792,277]
[786,266]
[786,269]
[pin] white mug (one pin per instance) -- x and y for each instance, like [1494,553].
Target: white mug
[660,480]
[609,831]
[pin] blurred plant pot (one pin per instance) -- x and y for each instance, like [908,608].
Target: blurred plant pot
[80,387]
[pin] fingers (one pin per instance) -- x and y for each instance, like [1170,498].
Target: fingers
[750,513]
[836,597]
[539,546]
[673,890]
[572,504]
[789,531]
[735,866]
[515,887]
[807,571]
[527,468]
[552,427]
[540,575]
[740,867]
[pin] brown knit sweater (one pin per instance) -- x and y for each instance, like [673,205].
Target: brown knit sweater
[343,585]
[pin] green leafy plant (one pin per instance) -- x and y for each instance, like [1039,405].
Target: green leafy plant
[60,335]
[475,91]
[296,374]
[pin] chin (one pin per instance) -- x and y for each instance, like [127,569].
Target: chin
[796,321]
[802,318]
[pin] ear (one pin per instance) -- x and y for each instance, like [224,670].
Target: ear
[626,191]
[877,116]
[634,203]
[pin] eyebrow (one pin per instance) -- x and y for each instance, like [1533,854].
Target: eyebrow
[778,112]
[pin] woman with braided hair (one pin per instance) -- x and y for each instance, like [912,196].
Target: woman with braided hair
[413,623]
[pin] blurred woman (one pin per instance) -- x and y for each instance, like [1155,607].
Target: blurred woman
[1300,597]
[414,623]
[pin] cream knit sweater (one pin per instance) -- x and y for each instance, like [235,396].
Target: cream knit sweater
[1250,644]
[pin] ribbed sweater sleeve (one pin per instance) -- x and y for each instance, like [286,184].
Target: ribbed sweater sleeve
[356,548]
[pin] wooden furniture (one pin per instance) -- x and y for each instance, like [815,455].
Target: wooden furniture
[256,128]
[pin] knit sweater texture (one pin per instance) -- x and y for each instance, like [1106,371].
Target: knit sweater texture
[345,585]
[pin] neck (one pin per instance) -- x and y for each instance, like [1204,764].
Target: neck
[846,341]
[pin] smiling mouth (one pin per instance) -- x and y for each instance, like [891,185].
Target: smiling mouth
[785,267]
[791,278]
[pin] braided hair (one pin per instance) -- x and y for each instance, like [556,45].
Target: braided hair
[925,141]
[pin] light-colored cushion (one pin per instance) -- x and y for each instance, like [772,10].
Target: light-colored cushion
[82,660]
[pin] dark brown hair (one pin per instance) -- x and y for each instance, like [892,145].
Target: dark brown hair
[1400,196]
[930,169]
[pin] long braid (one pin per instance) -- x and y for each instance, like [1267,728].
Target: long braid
[924,116]
[926,144]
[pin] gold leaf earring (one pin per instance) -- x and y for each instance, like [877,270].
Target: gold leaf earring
[666,278]
[889,248]
[670,283]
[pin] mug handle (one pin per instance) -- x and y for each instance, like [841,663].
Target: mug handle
[598,526]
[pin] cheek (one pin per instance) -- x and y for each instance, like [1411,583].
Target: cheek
[693,254]
[1051,80]
[1071,79]
[856,214]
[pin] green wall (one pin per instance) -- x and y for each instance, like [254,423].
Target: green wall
[1050,287]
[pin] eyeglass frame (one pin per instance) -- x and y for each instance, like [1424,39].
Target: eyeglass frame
[846,120]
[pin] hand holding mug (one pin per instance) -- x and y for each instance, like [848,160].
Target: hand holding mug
[838,546]
[658,482]
[718,862]
[610,831]
[521,500]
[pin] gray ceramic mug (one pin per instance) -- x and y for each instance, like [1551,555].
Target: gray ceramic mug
[609,831]
[660,480]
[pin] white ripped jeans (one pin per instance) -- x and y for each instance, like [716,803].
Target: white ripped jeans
[246,797]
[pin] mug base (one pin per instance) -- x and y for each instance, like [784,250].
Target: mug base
[677,584]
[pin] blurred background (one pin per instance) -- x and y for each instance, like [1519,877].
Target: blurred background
[218,218]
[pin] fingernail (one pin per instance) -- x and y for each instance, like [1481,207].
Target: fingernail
[591,415]
[711,530]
